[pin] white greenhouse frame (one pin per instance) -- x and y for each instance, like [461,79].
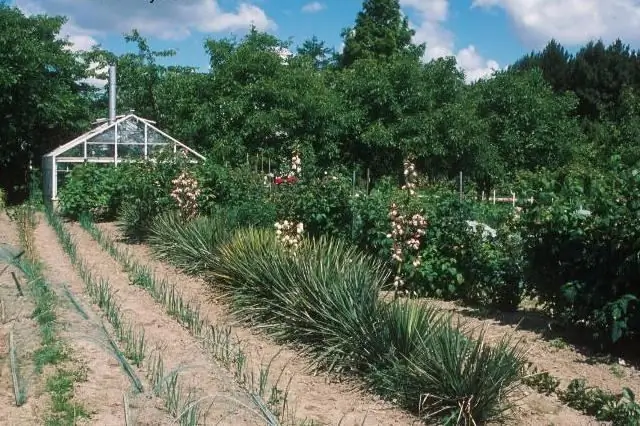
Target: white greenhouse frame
[127,138]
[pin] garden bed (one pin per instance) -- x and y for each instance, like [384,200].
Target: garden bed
[531,408]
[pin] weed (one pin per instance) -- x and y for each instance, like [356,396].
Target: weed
[64,411]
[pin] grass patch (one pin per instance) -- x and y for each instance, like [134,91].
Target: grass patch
[64,411]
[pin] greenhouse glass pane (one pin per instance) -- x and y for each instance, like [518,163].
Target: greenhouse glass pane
[131,151]
[75,151]
[155,137]
[108,136]
[131,131]
[100,150]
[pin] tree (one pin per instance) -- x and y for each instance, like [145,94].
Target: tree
[42,102]
[380,32]
[555,63]
[317,51]
[599,75]
[528,125]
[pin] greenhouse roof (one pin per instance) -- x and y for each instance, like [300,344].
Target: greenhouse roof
[128,137]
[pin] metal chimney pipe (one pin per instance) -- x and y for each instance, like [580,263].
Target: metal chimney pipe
[112,93]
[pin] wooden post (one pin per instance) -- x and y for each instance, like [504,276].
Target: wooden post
[368,179]
[353,182]
[494,196]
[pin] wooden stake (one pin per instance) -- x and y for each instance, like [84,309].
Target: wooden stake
[15,279]
[13,359]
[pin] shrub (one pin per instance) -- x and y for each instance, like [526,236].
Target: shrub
[322,204]
[583,264]
[148,192]
[94,189]
[236,188]
[326,297]
[190,245]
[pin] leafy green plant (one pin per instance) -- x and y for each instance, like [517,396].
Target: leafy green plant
[64,410]
[93,188]
[580,242]
[326,297]
[190,245]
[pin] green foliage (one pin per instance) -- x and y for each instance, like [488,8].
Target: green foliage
[148,189]
[92,188]
[64,410]
[238,188]
[322,204]
[41,100]
[380,32]
[584,264]
[191,246]
[326,297]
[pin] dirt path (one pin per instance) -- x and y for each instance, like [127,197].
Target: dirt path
[15,314]
[316,397]
[555,357]
[229,404]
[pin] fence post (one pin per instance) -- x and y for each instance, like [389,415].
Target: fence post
[353,183]
[513,199]
[368,179]
[461,185]
[494,196]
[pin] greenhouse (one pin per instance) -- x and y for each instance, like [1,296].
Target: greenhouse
[120,139]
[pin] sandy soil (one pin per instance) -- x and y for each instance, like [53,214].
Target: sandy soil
[15,314]
[102,392]
[558,358]
[317,397]
[229,404]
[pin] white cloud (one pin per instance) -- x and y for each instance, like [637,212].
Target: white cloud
[162,19]
[571,21]
[440,42]
[313,7]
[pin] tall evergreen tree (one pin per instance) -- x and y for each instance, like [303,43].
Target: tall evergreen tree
[380,32]
[554,61]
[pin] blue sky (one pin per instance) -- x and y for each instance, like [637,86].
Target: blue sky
[482,34]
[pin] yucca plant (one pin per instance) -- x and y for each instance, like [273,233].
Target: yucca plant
[326,297]
[190,245]
[452,379]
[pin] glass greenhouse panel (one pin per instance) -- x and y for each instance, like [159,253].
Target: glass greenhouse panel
[131,151]
[76,151]
[100,150]
[131,131]
[108,136]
